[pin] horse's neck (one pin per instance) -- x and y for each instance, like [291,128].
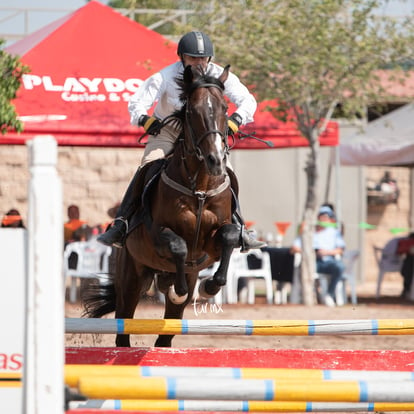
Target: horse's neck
[191,173]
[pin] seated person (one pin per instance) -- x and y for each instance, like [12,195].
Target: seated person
[73,227]
[13,219]
[406,248]
[329,246]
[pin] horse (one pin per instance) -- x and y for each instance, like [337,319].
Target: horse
[190,206]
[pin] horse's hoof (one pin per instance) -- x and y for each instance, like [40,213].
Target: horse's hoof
[174,298]
[202,289]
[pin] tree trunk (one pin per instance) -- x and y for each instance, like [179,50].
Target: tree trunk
[308,253]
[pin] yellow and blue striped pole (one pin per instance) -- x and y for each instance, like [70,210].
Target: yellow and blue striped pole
[240,406]
[241,327]
[74,372]
[188,388]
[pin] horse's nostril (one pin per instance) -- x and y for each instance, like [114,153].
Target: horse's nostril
[214,164]
[213,160]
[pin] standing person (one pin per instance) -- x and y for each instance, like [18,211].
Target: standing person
[329,246]
[194,49]
[405,251]
[13,219]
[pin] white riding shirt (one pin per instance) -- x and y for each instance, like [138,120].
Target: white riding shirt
[161,88]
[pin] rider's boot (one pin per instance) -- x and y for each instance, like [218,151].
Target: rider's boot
[247,239]
[115,235]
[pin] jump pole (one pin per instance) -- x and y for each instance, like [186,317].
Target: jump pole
[74,372]
[240,327]
[190,388]
[237,406]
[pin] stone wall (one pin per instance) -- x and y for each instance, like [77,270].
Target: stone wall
[93,178]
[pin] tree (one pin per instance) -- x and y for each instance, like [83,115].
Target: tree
[161,15]
[313,56]
[11,71]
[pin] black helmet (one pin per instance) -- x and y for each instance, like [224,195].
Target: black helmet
[196,44]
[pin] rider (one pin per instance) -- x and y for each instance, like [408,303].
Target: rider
[194,48]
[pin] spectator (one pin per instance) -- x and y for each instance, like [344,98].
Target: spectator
[75,229]
[334,218]
[13,219]
[329,246]
[406,248]
[389,185]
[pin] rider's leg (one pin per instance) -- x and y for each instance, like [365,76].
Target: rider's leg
[157,147]
[247,239]
[116,233]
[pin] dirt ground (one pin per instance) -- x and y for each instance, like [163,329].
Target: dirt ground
[389,306]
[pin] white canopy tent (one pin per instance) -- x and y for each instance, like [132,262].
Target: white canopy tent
[388,140]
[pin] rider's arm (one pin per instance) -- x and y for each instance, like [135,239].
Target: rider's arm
[145,97]
[241,97]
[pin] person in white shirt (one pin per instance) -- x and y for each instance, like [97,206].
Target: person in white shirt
[195,49]
[329,246]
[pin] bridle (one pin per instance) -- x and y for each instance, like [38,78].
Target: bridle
[197,141]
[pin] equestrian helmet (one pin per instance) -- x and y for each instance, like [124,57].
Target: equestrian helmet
[196,44]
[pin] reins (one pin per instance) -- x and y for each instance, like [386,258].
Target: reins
[201,196]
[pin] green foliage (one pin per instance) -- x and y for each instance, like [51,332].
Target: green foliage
[11,71]
[309,54]
[171,24]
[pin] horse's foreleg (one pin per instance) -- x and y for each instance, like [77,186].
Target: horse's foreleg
[228,237]
[175,311]
[169,244]
[131,282]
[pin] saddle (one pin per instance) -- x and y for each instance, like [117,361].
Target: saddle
[147,177]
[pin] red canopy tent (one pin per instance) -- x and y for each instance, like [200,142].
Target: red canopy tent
[84,68]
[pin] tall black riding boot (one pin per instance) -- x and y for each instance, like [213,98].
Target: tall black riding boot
[116,234]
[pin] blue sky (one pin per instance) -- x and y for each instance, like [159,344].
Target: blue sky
[36,19]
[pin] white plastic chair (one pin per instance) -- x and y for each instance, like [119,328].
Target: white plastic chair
[92,262]
[349,258]
[388,261]
[239,268]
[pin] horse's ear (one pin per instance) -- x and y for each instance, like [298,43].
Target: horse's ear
[224,75]
[188,74]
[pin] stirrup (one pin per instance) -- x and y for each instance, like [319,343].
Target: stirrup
[120,244]
[125,221]
[108,238]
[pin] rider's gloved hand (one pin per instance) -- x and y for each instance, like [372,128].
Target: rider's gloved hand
[151,124]
[233,123]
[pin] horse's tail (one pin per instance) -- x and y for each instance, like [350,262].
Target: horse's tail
[99,299]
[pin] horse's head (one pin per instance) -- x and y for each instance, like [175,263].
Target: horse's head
[205,126]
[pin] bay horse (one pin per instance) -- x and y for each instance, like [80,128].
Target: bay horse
[191,214]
